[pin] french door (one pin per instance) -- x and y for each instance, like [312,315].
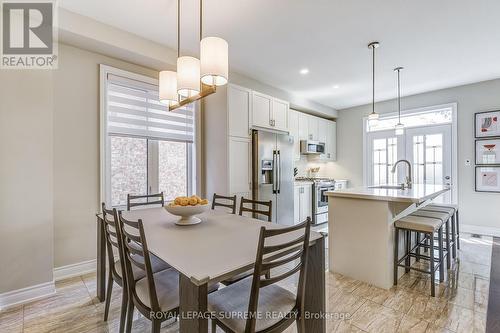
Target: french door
[427,148]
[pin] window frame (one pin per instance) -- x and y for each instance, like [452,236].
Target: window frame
[193,163]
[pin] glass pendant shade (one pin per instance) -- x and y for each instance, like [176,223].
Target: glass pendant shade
[188,76]
[168,87]
[399,129]
[214,61]
[373,119]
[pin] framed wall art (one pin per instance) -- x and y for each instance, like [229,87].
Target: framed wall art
[488,152]
[488,179]
[487,124]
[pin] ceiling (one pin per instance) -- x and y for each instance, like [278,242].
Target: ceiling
[441,44]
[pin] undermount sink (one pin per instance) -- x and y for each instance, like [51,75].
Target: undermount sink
[389,187]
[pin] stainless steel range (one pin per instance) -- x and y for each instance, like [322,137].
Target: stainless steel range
[319,198]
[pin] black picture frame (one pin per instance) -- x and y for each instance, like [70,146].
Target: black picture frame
[475,151]
[476,129]
[477,168]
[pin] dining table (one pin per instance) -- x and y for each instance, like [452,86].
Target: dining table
[221,246]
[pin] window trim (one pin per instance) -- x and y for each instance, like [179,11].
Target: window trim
[454,141]
[193,163]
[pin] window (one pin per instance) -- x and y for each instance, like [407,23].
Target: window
[146,148]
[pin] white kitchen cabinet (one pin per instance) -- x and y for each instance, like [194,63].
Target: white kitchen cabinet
[238,105]
[269,112]
[294,131]
[303,126]
[322,130]
[302,202]
[280,114]
[239,165]
[331,141]
[313,128]
[262,110]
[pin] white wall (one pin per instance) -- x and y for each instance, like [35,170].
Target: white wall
[476,208]
[76,151]
[26,159]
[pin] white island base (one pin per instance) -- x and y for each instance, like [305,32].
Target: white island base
[361,229]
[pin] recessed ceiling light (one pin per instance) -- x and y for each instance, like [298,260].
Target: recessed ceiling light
[304,71]
[336,86]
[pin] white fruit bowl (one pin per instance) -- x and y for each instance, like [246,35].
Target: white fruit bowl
[187,213]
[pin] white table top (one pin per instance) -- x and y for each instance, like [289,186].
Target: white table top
[417,194]
[211,251]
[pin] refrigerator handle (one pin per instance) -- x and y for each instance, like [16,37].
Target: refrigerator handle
[274,171]
[278,171]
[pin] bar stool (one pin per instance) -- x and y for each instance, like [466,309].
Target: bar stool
[445,219]
[453,210]
[429,227]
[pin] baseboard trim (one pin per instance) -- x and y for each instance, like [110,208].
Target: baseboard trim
[69,271]
[28,294]
[480,230]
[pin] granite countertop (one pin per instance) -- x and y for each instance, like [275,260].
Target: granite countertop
[417,194]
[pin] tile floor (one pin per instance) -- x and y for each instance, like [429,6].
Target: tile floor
[358,307]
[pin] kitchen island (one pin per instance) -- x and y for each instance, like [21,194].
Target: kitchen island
[361,228]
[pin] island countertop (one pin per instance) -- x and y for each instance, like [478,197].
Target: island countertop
[417,194]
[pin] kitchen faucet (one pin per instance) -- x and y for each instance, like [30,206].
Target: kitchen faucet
[409,176]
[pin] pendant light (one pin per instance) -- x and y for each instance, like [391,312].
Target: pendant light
[373,117]
[195,78]
[399,128]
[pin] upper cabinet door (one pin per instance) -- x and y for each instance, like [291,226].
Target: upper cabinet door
[280,114]
[303,126]
[261,110]
[322,130]
[238,103]
[313,125]
[331,143]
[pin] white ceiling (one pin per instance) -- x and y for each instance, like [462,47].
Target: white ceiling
[441,43]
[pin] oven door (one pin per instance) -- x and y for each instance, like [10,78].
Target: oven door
[322,199]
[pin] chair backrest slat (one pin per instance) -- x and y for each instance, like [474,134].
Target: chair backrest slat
[132,203]
[254,208]
[220,200]
[286,254]
[113,238]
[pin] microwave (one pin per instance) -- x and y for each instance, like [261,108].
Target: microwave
[308,147]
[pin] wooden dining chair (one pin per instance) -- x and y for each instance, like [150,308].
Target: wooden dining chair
[150,292]
[223,201]
[137,200]
[254,208]
[116,268]
[258,296]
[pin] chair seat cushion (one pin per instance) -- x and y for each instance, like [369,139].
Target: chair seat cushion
[156,264]
[235,298]
[438,208]
[431,214]
[417,223]
[167,289]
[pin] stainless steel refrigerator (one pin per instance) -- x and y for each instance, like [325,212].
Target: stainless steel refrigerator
[272,173]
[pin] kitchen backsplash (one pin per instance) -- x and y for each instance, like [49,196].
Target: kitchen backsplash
[326,169]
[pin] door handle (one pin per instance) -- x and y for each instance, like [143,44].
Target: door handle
[274,171]
[279,172]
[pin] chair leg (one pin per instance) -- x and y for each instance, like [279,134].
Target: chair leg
[408,248]
[453,237]
[155,326]
[123,311]
[301,328]
[417,236]
[214,326]
[396,255]
[448,252]
[441,259]
[433,269]
[458,230]
[130,315]
[108,295]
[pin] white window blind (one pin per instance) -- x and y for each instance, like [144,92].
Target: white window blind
[134,109]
